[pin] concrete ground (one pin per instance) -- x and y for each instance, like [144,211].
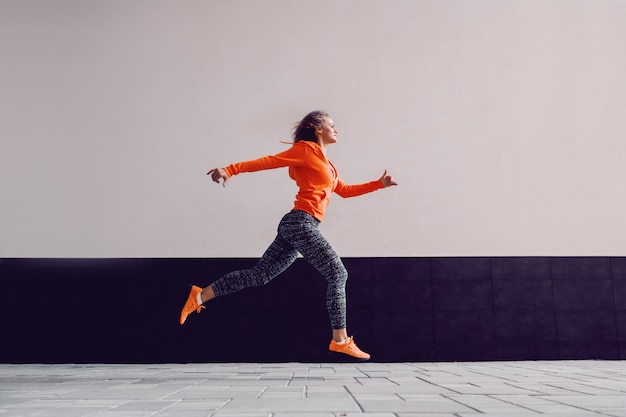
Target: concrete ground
[498,389]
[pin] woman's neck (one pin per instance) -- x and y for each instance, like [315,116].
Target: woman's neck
[323,146]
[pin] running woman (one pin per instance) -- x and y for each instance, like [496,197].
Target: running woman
[298,231]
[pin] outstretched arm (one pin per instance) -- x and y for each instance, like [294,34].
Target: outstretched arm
[292,157]
[346,190]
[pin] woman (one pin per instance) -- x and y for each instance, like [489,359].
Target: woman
[298,231]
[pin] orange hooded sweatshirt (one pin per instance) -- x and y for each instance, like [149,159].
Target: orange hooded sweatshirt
[315,176]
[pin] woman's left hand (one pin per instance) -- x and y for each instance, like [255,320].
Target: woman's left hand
[387,180]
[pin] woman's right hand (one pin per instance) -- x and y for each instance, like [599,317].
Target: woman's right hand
[217,174]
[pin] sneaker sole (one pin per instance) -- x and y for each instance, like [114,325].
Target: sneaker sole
[346,357]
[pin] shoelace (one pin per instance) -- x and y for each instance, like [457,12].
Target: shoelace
[349,345]
[189,308]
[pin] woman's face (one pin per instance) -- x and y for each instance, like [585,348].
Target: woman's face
[326,133]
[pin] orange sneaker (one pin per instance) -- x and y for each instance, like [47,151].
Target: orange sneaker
[349,348]
[191,304]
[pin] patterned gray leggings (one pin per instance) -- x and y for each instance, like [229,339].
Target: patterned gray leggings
[297,232]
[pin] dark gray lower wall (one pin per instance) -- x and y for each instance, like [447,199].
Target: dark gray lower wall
[399,309]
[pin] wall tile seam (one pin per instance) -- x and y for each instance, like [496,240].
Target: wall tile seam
[432,304]
[554,326]
[615,314]
[592,270]
[493,306]
[588,310]
[477,310]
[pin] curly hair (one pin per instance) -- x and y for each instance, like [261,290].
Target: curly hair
[305,129]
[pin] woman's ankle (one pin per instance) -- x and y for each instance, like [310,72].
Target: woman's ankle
[207,294]
[340,335]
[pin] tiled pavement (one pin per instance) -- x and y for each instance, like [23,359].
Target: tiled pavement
[498,389]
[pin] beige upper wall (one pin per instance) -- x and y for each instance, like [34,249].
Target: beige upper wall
[503,121]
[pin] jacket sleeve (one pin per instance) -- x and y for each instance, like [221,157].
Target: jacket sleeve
[344,190]
[293,156]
